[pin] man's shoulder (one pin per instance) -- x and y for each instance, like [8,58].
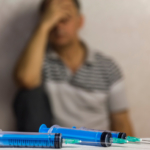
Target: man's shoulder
[101,57]
[109,66]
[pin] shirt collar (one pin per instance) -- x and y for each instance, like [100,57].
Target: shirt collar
[90,58]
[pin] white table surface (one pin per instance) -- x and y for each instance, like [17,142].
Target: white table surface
[81,147]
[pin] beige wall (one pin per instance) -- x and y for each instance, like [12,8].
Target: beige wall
[119,28]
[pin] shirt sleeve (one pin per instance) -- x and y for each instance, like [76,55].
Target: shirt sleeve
[117,96]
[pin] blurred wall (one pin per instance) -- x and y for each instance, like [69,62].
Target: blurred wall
[118,28]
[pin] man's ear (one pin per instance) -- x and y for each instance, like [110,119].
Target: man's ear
[81,21]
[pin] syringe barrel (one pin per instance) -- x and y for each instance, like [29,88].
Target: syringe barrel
[96,138]
[17,139]
[120,135]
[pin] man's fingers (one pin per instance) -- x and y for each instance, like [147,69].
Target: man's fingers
[66,3]
[59,3]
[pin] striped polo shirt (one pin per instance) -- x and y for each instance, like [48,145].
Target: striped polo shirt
[87,97]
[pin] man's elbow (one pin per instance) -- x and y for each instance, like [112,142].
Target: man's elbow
[26,81]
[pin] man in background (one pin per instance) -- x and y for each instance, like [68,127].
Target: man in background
[84,88]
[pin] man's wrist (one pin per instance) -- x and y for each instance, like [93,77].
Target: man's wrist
[44,27]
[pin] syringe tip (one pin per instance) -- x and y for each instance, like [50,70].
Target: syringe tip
[119,141]
[71,141]
[133,139]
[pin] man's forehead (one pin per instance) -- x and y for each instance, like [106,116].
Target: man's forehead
[46,2]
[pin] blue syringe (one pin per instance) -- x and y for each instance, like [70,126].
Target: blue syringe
[86,137]
[19,139]
[120,135]
[92,137]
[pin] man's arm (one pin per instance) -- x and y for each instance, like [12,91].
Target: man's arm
[118,105]
[29,67]
[120,122]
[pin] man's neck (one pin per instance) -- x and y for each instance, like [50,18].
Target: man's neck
[73,55]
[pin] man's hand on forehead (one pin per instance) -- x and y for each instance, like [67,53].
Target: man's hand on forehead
[60,2]
[56,10]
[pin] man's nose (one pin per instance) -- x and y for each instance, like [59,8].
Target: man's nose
[60,25]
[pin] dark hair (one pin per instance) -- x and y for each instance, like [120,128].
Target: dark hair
[42,8]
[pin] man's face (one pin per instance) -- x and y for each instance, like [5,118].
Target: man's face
[66,31]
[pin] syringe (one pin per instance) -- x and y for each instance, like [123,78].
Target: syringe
[120,135]
[43,140]
[99,139]
[22,139]
[96,138]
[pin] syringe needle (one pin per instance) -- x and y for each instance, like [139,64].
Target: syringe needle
[145,140]
[133,139]
[113,140]
[71,141]
[119,141]
[137,140]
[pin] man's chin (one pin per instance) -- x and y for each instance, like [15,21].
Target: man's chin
[62,45]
